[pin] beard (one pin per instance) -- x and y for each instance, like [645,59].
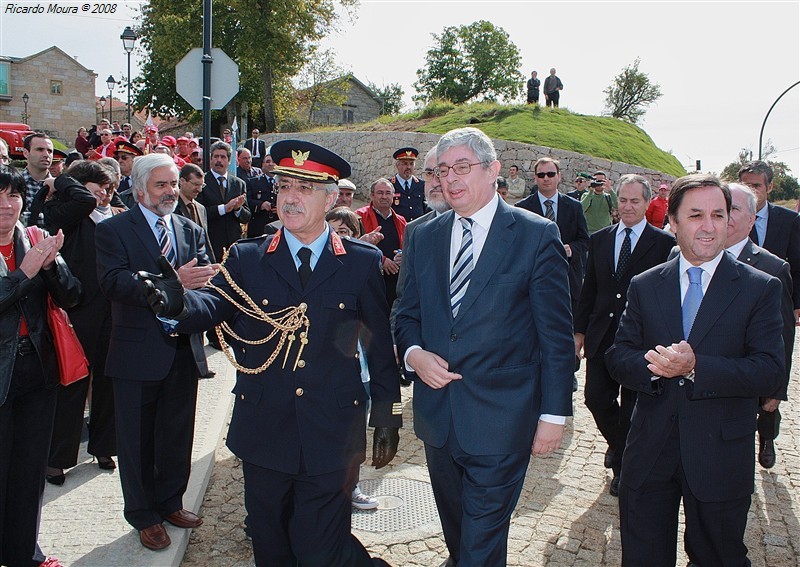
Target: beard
[166,204]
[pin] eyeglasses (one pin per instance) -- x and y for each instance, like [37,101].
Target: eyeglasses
[549,174]
[459,169]
[428,173]
[580,180]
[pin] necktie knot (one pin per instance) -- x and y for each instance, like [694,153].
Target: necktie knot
[304,254]
[466,223]
[696,276]
[548,203]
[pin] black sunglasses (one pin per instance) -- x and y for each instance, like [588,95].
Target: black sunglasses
[546,173]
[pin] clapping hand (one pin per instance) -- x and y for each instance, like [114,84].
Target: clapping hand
[164,291]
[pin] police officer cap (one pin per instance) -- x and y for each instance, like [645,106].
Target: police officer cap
[406,153]
[307,161]
[58,155]
[125,147]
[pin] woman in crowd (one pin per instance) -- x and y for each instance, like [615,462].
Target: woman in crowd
[135,137]
[82,142]
[28,368]
[346,223]
[78,201]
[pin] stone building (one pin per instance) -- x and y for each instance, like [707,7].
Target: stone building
[360,105]
[60,93]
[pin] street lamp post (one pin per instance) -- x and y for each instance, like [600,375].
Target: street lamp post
[111,83]
[128,38]
[25,99]
[761,134]
[102,107]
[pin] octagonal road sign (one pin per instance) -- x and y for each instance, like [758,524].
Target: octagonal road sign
[224,78]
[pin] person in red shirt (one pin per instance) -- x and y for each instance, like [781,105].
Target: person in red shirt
[657,211]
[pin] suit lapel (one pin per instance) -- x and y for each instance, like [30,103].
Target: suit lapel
[143,231]
[669,298]
[720,294]
[440,244]
[499,239]
[643,246]
[183,239]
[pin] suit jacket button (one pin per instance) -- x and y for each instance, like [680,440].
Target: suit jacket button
[610,314]
[355,402]
[341,306]
[619,296]
[357,355]
[241,396]
[301,363]
[299,392]
[453,338]
[681,382]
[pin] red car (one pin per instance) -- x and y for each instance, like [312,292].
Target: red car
[14,133]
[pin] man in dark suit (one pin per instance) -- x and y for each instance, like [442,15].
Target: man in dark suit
[154,374]
[616,254]
[298,420]
[487,333]
[257,148]
[567,213]
[261,196]
[743,213]
[409,191]
[776,229]
[125,153]
[225,200]
[699,341]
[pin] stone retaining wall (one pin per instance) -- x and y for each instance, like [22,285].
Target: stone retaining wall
[370,154]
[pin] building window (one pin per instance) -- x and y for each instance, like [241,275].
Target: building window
[5,71]
[55,88]
[347,116]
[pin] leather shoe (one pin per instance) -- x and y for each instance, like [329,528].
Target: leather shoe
[608,460]
[106,463]
[614,490]
[209,374]
[57,479]
[766,452]
[154,537]
[184,519]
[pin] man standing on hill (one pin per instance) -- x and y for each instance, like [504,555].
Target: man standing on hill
[552,88]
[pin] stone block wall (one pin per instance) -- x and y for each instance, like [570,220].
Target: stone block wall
[60,115]
[370,155]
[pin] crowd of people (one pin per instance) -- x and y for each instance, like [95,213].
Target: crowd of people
[326,310]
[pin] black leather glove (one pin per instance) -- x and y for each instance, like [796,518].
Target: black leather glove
[384,446]
[164,291]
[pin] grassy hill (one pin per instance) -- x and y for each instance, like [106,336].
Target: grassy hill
[598,136]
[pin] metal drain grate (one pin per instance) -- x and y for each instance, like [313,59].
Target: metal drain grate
[404,504]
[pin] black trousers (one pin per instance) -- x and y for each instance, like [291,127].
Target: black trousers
[155,429]
[649,519]
[72,402]
[475,496]
[26,423]
[613,418]
[301,519]
[552,98]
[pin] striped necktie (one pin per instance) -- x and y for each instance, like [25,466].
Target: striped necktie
[462,267]
[549,214]
[165,242]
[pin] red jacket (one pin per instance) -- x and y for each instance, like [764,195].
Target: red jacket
[370,221]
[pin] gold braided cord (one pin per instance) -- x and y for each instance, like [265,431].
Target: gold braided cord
[285,321]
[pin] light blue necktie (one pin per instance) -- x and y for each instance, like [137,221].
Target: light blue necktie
[692,299]
[462,268]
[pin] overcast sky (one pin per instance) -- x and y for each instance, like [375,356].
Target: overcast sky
[720,65]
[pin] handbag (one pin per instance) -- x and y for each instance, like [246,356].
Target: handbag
[72,363]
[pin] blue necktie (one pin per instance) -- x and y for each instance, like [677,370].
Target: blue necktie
[692,299]
[462,268]
[165,242]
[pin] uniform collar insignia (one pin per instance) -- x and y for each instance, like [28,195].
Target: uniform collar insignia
[275,241]
[336,243]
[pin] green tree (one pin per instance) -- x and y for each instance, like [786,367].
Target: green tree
[470,62]
[392,96]
[270,40]
[630,93]
[322,82]
[784,185]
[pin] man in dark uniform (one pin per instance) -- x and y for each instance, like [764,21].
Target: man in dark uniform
[260,193]
[298,419]
[124,153]
[409,191]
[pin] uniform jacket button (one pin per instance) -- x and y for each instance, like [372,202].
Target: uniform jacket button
[341,306]
[355,402]
[301,363]
[299,392]
[241,396]
[264,302]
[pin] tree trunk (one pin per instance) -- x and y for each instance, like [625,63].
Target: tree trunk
[270,124]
